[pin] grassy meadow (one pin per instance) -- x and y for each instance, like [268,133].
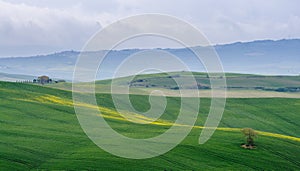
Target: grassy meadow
[39,130]
[238,85]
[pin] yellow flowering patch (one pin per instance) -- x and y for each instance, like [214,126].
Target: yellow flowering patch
[113,114]
[269,134]
[105,112]
[53,99]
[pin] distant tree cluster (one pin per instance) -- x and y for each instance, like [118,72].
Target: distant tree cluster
[282,89]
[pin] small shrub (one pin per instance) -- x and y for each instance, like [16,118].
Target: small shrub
[249,134]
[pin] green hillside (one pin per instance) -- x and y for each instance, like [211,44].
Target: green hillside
[39,130]
[242,81]
[238,85]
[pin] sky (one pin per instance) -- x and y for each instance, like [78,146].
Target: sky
[32,27]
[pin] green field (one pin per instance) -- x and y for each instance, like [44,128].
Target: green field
[238,85]
[234,81]
[39,130]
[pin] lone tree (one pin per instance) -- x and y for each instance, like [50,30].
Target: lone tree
[250,134]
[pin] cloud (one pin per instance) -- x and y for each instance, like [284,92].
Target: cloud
[22,25]
[35,26]
[231,20]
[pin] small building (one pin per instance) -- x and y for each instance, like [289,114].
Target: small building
[46,80]
[43,80]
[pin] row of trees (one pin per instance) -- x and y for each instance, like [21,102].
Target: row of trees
[24,81]
[40,81]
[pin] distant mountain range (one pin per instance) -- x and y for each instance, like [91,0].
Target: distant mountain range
[15,77]
[281,57]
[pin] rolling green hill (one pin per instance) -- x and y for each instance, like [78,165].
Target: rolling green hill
[241,81]
[234,81]
[238,85]
[39,130]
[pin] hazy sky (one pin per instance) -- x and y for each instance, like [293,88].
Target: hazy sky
[44,26]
